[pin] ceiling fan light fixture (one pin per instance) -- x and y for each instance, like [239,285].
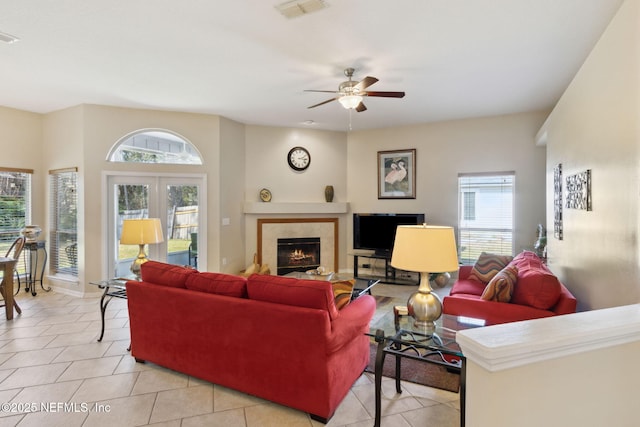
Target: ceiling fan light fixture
[350,102]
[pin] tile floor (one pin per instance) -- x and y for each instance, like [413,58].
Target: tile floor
[53,372]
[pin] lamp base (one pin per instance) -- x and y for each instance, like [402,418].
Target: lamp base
[424,305]
[138,261]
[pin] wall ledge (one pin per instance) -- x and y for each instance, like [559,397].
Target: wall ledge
[296,208]
[510,345]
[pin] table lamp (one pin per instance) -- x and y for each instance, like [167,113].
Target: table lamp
[141,232]
[425,249]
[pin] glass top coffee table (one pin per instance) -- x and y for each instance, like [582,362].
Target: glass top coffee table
[396,335]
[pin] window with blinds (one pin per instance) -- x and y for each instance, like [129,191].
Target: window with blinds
[485,214]
[63,232]
[15,207]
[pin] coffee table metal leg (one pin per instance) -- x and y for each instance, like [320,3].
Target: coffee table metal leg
[463,391]
[380,354]
[103,308]
[398,373]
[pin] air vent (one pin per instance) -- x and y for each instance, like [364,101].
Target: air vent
[8,38]
[293,9]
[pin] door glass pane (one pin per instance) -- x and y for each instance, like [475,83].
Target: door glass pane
[182,225]
[133,202]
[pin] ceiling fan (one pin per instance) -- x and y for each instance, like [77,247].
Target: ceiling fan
[351,93]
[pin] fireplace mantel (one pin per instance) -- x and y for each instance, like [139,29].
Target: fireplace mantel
[296,208]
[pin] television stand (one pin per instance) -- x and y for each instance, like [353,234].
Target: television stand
[391,275]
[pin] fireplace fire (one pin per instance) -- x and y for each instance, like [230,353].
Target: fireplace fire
[298,254]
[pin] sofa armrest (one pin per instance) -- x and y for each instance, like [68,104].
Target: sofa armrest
[353,320]
[491,312]
[567,303]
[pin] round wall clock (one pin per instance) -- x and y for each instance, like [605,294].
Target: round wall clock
[265,195]
[299,158]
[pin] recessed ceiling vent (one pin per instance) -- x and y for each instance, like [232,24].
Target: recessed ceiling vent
[8,38]
[295,8]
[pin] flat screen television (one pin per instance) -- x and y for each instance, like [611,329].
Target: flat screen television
[377,231]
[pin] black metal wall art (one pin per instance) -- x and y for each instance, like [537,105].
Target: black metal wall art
[557,201]
[579,191]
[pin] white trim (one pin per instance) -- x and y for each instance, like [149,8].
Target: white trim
[295,208]
[500,347]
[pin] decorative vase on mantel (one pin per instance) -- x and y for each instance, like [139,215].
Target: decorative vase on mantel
[328,193]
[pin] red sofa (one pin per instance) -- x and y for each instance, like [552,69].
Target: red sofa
[537,293]
[278,338]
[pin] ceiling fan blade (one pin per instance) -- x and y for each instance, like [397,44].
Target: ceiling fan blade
[322,91]
[385,94]
[360,108]
[365,83]
[323,102]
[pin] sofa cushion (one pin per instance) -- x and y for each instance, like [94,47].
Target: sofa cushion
[342,291]
[218,283]
[537,287]
[488,265]
[500,288]
[165,274]
[290,291]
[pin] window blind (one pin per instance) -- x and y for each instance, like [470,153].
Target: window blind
[485,214]
[63,246]
[15,208]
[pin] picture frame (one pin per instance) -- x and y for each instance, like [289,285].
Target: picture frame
[397,174]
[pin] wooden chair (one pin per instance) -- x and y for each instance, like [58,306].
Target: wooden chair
[14,252]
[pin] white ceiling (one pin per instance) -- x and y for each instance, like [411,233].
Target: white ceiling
[243,60]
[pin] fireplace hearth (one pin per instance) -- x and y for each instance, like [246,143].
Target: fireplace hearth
[298,254]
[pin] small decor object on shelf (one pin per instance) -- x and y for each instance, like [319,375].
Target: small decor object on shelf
[328,193]
[265,195]
[31,232]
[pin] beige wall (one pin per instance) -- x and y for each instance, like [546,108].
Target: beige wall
[493,144]
[63,147]
[266,167]
[83,136]
[596,388]
[21,143]
[232,178]
[595,125]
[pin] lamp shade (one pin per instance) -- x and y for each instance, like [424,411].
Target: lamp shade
[141,231]
[425,248]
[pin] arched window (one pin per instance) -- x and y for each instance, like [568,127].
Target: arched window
[155,146]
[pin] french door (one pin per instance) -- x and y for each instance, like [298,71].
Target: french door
[175,200]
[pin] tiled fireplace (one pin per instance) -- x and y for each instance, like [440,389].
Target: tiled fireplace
[298,244]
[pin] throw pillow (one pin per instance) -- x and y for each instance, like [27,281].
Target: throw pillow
[342,291]
[500,288]
[488,265]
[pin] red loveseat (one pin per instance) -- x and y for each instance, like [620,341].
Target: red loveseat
[278,338]
[537,293]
